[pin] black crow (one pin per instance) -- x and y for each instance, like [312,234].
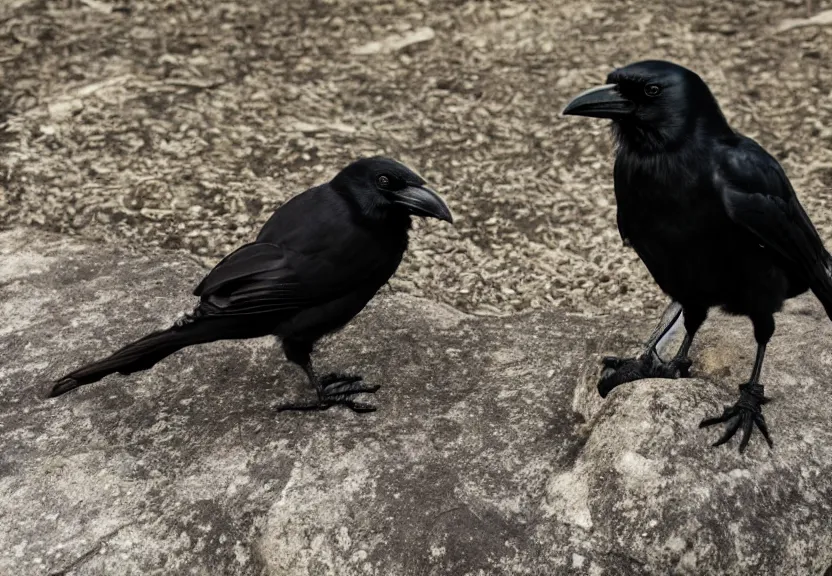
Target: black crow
[315,264]
[710,213]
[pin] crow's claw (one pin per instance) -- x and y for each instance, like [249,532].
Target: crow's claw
[676,368]
[326,404]
[335,385]
[614,362]
[618,371]
[337,390]
[336,378]
[745,414]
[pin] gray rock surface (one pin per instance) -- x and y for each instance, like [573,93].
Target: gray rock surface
[491,452]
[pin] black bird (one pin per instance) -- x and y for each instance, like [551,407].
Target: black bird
[710,213]
[314,265]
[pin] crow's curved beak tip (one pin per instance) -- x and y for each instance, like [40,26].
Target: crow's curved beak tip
[425,202]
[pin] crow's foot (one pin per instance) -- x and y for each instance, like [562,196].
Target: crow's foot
[618,371]
[745,414]
[337,390]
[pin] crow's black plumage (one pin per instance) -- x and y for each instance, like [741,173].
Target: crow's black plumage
[314,265]
[709,211]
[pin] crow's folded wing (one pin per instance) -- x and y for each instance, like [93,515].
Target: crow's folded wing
[258,278]
[757,196]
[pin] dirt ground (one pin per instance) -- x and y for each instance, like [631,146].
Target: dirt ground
[184,123]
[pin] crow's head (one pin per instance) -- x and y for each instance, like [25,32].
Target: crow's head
[382,186]
[651,103]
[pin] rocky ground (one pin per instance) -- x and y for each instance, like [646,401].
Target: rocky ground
[130,125]
[491,453]
[183,124]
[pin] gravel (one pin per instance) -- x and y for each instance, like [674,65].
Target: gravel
[184,124]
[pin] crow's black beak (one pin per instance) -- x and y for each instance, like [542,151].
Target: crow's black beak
[600,102]
[422,201]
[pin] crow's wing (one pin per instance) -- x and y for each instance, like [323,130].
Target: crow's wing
[757,196]
[241,265]
[256,278]
[299,262]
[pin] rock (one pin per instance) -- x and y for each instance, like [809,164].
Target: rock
[99,6]
[395,42]
[64,108]
[823,18]
[306,127]
[491,452]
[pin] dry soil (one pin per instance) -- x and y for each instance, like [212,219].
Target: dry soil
[184,123]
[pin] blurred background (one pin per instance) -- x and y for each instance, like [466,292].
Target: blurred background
[183,124]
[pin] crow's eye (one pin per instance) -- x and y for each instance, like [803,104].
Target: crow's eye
[383,181]
[652,90]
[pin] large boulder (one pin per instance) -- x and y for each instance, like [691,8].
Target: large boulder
[491,452]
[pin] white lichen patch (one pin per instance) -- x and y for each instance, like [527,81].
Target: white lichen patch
[567,500]
[638,473]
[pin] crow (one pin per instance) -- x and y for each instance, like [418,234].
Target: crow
[710,213]
[315,264]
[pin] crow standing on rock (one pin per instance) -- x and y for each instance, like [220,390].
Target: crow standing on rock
[315,264]
[709,211]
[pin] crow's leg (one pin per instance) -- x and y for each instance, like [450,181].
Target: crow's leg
[649,364]
[332,389]
[617,371]
[748,410]
[694,317]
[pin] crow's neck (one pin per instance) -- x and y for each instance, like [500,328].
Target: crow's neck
[635,138]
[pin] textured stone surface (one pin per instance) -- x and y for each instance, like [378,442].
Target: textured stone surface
[491,453]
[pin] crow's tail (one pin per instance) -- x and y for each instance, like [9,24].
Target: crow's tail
[821,284]
[139,355]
